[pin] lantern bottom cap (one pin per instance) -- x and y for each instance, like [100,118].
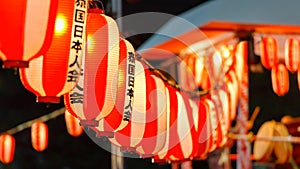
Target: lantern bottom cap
[7,64]
[48,99]
[107,134]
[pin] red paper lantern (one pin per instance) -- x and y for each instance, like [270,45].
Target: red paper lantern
[204,129]
[215,136]
[213,64]
[7,148]
[183,132]
[280,79]
[146,130]
[72,124]
[26,31]
[120,115]
[222,105]
[39,136]
[93,97]
[292,55]
[56,72]
[188,72]
[232,88]
[240,59]
[269,52]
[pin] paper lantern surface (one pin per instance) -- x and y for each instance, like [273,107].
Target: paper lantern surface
[27,30]
[269,52]
[56,72]
[39,136]
[99,67]
[7,148]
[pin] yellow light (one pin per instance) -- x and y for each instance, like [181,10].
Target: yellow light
[60,24]
[90,42]
[225,52]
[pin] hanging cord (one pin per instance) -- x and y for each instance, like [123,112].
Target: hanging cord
[169,80]
[96,4]
[28,124]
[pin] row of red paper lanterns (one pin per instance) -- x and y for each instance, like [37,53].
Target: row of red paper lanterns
[110,92]
[39,137]
[280,70]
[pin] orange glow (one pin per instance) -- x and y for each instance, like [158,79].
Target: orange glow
[292,54]
[269,53]
[39,136]
[280,79]
[72,124]
[7,148]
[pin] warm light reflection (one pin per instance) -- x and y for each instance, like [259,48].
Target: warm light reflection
[90,42]
[225,51]
[60,24]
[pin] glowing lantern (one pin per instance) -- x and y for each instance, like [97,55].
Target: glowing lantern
[187,76]
[269,52]
[28,30]
[72,124]
[240,59]
[183,132]
[118,118]
[204,130]
[280,79]
[99,68]
[39,136]
[7,148]
[292,55]
[232,86]
[221,102]
[215,135]
[214,67]
[146,130]
[56,72]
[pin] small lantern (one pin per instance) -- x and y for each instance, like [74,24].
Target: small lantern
[280,79]
[72,124]
[56,72]
[7,148]
[292,54]
[27,30]
[39,136]
[269,52]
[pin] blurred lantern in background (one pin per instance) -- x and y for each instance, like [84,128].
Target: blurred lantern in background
[240,59]
[292,54]
[182,128]
[27,30]
[232,88]
[93,97]
[280,79]
[269,52]
[39,136]
[72,124]
[7,148]
[56,72]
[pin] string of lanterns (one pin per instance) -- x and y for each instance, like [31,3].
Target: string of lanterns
[114,91]
[39,133]
[282,63]
[109,88]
